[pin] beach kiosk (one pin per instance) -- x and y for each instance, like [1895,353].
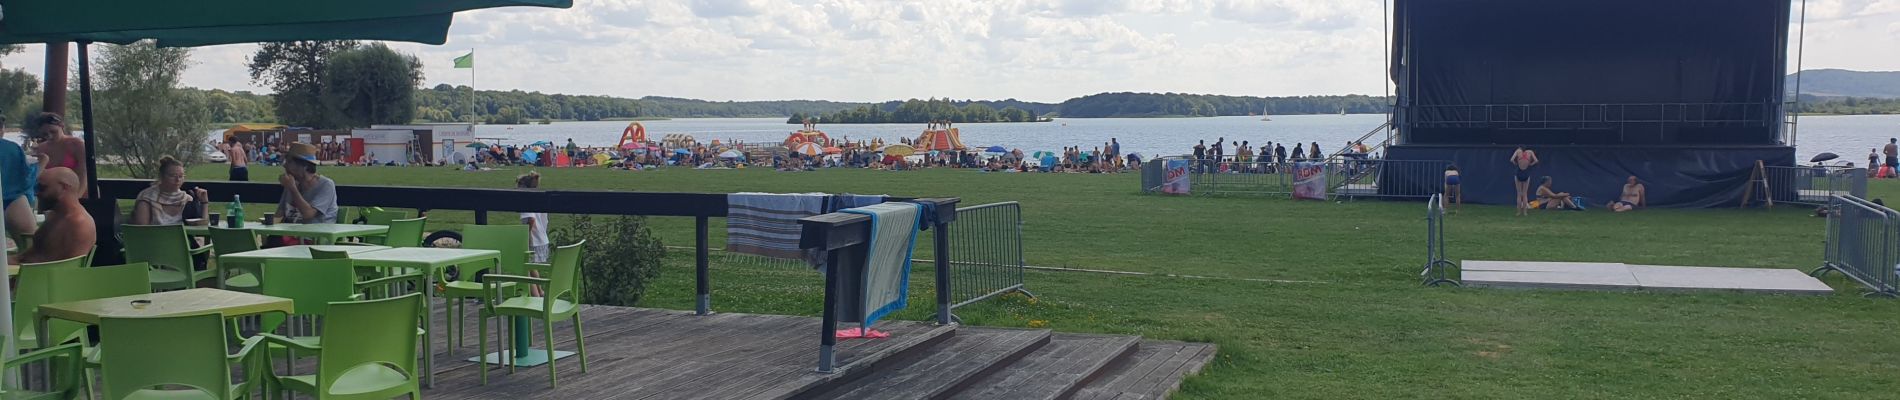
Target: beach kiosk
[437,143]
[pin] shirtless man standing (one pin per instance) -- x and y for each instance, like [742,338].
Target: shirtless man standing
[68,231]
[1634,195]
[240,159]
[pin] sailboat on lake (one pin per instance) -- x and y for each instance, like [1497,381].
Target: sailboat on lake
[1263,114]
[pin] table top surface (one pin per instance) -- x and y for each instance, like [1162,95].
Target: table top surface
[431,257]
[166,304]
[296,252]
[305,230]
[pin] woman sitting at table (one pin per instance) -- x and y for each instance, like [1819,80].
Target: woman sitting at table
[166,202]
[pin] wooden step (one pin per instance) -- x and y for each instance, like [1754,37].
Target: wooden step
[1054,371]
[1154,371]
[942,369]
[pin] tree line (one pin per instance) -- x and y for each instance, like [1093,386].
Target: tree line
[1848,105]
[1137,105]
[922,111]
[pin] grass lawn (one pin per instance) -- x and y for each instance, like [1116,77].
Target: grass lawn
[1357,325]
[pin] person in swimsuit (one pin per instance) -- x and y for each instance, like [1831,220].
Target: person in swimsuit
[239,157]
[58,149]
[1523,159]
[1634,195]
[1453,192]
[1551,199]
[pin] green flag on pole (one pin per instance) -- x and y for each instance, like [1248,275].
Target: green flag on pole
[467,61]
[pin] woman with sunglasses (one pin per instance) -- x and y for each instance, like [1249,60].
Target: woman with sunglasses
[57,148]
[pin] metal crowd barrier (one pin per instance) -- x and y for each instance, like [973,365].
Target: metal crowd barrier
[1438,268]
[1242,178]
[987,256]
[1815,186]
[1863,243]
[1396,179]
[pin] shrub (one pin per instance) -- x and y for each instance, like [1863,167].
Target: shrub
[621,256]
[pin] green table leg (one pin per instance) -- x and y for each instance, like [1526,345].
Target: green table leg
[528,357]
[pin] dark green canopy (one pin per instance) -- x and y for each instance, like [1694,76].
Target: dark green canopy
[72,17]
[427,29]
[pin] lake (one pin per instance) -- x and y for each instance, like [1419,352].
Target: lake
[1846,135]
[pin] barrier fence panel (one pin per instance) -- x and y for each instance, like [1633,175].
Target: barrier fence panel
[1815,186]
[986,258]
[1438,268]
[1409,179]
[1863,243]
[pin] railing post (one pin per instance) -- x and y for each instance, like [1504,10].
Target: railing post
[828,329]
[702,273]
[942,251]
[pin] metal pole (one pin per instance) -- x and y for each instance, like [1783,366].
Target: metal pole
[1799,54]
[702,272]
[92,131]
[828,328]
[943,272]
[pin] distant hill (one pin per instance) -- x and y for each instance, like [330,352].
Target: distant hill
[1844,83]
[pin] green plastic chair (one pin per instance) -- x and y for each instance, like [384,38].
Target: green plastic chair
[374,359]
[405,232]
[151,358]
[36,287]
[510,240]
[238,276]
[311,285]
[95,283]
[68,380]
[169,251]
[561,303]
[379,216]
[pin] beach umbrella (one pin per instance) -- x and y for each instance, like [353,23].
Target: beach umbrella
[733,154]
[996,149]
[833,150]
[542,143]
[898,150]
[1824,157]
[682,151]
[808,148]
[1042,154]
[477,145]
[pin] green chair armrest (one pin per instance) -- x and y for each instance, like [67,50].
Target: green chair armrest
[74,350]
[201,249]
[415,277]
[494,281]
[246,351]
[538,267]
[273,338]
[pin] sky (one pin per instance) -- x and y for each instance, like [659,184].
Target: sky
[876,50]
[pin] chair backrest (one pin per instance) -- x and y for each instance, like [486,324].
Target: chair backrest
[379,216]
[100,282]
[159,245]
[565,272]
[510,240]
[36,287]
[140,353]
[311,285]
[231,241]
[382,332]
[320,254]
[405,232]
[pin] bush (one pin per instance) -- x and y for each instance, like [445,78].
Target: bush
[621,256]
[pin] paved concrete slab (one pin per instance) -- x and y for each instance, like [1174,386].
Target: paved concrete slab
[1617,276]
[1768,280]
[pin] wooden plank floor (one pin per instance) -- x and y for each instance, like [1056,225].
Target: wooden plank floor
[1154,371]
[639,353]
[945,368]
[1054,371]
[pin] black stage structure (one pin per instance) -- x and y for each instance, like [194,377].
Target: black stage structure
[1684,94]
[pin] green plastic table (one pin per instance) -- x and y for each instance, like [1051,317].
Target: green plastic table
[292,252]
[163,304]
[427,260]
[322,233]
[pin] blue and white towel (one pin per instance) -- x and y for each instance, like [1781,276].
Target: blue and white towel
[766,224]
[887,265]
[847,200]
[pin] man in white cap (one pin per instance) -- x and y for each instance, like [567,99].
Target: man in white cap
[308,198]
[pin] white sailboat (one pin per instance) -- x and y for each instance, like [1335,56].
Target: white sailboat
[1263,114]
[1342,111]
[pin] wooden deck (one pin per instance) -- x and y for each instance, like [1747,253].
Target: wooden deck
[637,353]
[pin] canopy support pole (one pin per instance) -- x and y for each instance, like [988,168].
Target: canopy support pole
[85,117]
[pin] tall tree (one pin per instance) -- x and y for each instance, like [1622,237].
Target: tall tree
[372,85]
[142,112]
[295,70]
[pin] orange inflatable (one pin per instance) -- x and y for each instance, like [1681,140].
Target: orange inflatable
[634,135]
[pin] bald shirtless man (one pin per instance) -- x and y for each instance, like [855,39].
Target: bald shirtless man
[68,231]
[1634,195]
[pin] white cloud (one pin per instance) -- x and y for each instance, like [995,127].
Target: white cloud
[864,50]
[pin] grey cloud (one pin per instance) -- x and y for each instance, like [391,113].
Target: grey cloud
[725,8]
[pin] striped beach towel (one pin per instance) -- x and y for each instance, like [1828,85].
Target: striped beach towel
[766,224]
[887,266]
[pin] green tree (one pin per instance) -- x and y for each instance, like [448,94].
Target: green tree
[141,111]
[295,71]
[372,84]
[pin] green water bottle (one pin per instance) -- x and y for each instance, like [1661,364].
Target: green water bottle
[235,212]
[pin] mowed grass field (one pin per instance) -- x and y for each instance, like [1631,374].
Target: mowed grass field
[1321,299]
